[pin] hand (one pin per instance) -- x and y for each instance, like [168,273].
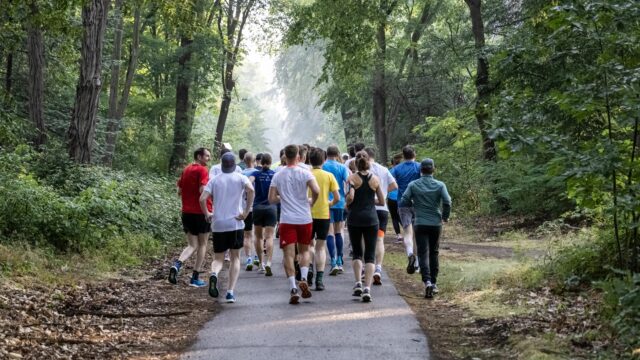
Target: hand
[208,216]
[241,217]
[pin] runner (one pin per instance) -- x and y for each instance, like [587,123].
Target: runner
[217,168]
[289,187]
[192,181]
[241,163]
[252,257]
[259,161]
[226,191]
[404,173]
[335,243]
[352,153]
[387,183]
[364,194]
[392,203]
[320,212]
[428,196]
[264,214]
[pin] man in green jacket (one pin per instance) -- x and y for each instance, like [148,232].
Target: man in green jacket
[432,205]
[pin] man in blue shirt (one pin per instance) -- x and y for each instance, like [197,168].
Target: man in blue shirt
[404,173]
[432,204]
[335,242]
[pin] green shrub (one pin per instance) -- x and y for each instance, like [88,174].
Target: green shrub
[622,305]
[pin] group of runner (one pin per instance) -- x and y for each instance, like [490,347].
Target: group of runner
[305,201]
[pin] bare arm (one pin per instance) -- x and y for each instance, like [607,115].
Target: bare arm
[379,196]
[336,198]
[315,190]
[274,197]
[203,204]
[248,206]
[392,186]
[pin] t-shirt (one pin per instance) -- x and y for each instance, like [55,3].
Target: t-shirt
[341,173]
[405,172]
[247,172]
[393,195]
[386,179]
[262,183]
[427,195]
[193,176]
[291,183]
[228,199]
[327,183]
[217,170]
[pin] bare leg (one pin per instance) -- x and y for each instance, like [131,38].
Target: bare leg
[202,251]
[248,244]
[218,261]
[258,243]
[269,231]
[379,251]
[234,269]
[369,268]
[304,254]
[192,241]
[320,254]
[289,253]
[357,270]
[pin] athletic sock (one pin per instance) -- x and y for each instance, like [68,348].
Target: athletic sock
[195,275]
[230,292]
[331,246]
[339,244]
[319,276]
[292,282]
[304,272]
[378,268]
[214,274]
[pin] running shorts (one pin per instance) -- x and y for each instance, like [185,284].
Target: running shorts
[383,220]
[248,222]
[223,241]
[195,224]
[264,217]
[295,234]
[336,215]
[320,229]
[407,216]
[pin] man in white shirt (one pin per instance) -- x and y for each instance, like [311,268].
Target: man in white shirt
[217,168]
[290,187]
[387,184]
[227,190]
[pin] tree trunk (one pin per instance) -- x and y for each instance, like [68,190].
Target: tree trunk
[81,131]
[112,121]
[8,73]
[35,49]
[379,95]
[482,79]
[183,119]
[224,107]
[352,132]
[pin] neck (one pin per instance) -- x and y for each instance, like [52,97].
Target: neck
[291,162]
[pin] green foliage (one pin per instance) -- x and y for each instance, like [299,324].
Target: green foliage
[77,208]
[622,300]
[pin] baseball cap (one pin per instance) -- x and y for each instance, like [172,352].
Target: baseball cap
[427,164]
[228,162]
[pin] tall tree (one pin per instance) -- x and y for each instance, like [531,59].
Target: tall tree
[184,114]
[482,79]
[35,50]
[117,108]
[235,16]
[81,131]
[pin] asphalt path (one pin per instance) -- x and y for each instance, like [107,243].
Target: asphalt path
[332,324]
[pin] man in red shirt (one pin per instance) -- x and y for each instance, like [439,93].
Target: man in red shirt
[192,181]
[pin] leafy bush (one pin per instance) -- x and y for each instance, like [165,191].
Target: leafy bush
[622,300]
[46,199]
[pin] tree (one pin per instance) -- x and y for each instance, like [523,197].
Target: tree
[184,106]
[482,79]
[35,49]
[235,16]
[81,131]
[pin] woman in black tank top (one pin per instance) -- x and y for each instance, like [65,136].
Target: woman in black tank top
[364,194]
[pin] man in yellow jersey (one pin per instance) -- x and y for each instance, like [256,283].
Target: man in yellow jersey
[320,211]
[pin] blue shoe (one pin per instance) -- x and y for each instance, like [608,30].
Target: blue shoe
[197,283]
[249,266]
[230,298]
[173,272]
[213,286]
[339,262]
[256,261]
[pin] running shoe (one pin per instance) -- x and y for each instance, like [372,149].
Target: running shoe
[294,298]
[319,285]
[357,290]
[366,295]
[256,261]
[304,289]
[435,289]
[428,290]
[334,270]
[173,272]
[213,286]
[249,265]
[230,298]
[377,278]
[267,270]
[197,283]
[261,270]
[399,240]
[340,269]
[411,268]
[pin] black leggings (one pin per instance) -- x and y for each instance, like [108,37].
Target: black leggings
[370,235]
[428,242]
[395,218]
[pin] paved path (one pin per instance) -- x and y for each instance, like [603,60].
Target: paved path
[331,324]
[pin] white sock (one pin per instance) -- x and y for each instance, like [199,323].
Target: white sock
[230,292]
[366,288]
[378,268]
[292,282]
[409,250]
[304,271]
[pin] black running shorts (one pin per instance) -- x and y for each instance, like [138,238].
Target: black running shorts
[320,229]
[248,222]
[383,219]
[195,224]
[223,241]
[265,217]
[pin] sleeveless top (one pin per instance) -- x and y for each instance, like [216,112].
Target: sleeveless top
[362,211]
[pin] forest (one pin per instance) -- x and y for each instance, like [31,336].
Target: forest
[530,108]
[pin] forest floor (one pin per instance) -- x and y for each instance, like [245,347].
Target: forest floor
[135,314]
[489,306]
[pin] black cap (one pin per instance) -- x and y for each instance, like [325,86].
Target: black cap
[228,163]
[427,164]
